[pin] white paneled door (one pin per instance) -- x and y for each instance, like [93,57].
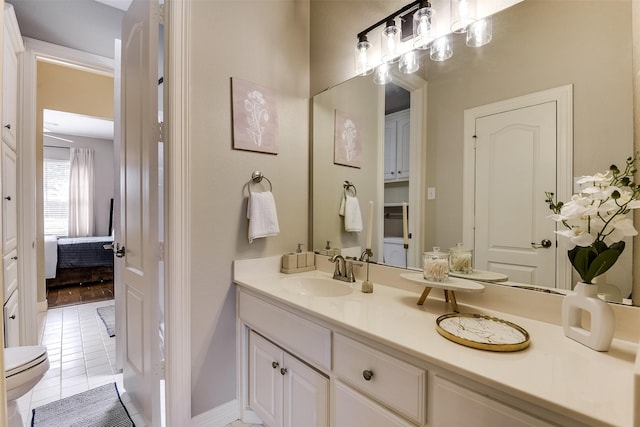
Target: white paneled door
[138,248]
[515,164]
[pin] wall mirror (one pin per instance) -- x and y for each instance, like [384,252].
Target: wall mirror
[538,45]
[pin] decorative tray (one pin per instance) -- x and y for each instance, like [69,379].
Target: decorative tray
[482,332]
[452,283]
[481,275]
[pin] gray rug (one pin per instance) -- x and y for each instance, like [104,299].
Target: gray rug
[98,407]
[108,316]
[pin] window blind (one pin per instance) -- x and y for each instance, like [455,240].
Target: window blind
[56,197]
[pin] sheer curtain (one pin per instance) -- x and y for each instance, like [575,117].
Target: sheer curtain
[81,193]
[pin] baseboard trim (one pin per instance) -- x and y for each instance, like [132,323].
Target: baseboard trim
[43,306]
[219,416]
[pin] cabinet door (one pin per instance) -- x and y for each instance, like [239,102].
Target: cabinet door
[458,406]
[10,273]
[403,144]
[9,203]
[305,395]
[12,321]
[9,92]
[353,409]
[390,132]
[265,380]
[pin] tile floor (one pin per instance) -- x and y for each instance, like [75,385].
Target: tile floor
[81,356]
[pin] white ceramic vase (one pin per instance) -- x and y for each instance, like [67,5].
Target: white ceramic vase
[585,298]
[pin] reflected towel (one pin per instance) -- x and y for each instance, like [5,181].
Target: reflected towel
[350,209]
[262,215]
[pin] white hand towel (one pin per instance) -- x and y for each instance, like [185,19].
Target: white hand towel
[262,215]
[352,216]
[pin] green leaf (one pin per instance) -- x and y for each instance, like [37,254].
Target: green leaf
[602,263]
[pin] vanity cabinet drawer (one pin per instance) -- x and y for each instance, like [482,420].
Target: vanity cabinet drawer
[353,409]
[454,405]
[309,341]
[391,381]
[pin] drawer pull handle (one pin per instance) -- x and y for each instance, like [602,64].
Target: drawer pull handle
[283,371]
[367,374]
[8,198]
[8,126]
[14,258]
[13,316]
[275,365]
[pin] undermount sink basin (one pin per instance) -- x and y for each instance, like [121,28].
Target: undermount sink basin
[316,286]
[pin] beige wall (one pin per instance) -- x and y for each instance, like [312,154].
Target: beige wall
[266,42]
[363,100]
[71,90]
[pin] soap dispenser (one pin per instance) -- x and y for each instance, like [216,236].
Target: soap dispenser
[302,257]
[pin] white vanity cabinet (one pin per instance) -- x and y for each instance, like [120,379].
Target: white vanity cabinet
[397,143]
[284,391]
[12,321]
[9,200]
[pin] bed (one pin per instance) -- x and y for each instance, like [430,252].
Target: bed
[71,260]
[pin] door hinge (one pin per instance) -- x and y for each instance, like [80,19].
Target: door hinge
[162,369]
[161,14]
[161,251]
[161,132]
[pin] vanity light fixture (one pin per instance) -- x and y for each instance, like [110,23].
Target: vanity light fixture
[463,14]
[416,31]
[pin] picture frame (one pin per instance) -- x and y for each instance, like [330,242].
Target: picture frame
[255,117]
[347,147]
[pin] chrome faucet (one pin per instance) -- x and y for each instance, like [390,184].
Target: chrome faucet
[344,268]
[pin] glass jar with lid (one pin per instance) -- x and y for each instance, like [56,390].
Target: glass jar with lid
[460,259]
[436,265]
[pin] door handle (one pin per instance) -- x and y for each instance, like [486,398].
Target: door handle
[545,243]
[120,251]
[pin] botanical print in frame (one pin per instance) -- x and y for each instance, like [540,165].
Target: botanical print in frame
[255,117]
[347,145]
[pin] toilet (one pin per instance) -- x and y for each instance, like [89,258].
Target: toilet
[24,366]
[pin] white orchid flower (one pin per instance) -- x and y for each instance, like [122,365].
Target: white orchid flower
[577,237]
[598,178]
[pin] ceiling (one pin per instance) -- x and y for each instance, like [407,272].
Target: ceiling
[70,124]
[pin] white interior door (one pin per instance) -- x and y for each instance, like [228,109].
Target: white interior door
[140,256]
[515,164]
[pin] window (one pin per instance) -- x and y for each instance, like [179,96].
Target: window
[56,197]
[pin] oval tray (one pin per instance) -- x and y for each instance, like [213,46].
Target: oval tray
[481,275]
[482,332]
[452,283]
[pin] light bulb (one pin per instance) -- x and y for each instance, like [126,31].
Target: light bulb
[463,14]
[409,62]
[422,28]
[382,76]
[390,42]
[479,33]
[441,50]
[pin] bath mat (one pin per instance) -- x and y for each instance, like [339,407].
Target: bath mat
[108,316]
[98,407]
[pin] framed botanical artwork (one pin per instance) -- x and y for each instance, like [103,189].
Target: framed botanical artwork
[346,141]
[255,117]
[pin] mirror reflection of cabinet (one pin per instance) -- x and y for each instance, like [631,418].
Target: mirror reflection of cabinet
[396,146]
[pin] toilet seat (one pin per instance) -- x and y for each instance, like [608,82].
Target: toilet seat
[22,358]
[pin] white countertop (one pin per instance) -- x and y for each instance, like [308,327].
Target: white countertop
[555,372]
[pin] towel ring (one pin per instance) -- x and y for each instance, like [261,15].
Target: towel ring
[348,185]
[256,178]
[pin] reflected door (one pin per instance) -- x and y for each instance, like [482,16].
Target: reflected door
[515,164]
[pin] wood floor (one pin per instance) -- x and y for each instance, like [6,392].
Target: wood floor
[61,296]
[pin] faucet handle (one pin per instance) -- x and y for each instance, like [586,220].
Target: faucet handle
[349,267]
